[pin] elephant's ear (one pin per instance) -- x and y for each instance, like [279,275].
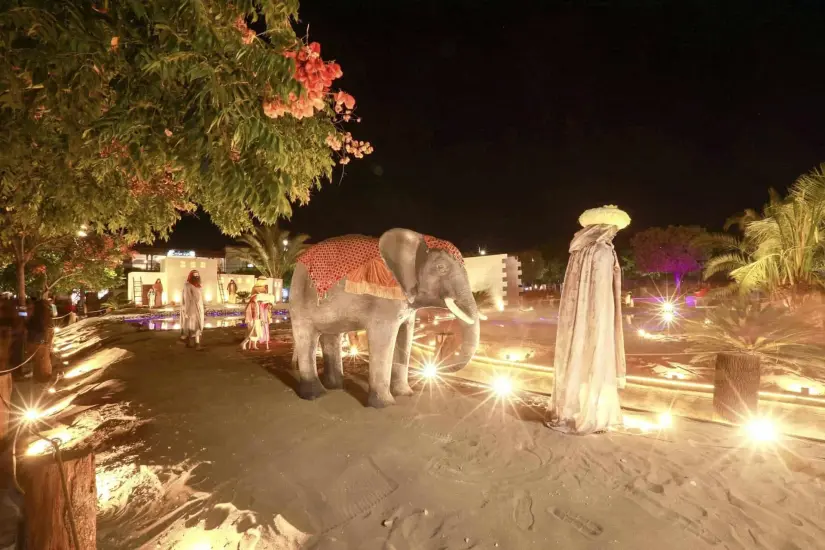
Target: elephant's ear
[402,250]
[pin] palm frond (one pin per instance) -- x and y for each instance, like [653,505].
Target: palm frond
[273,251]
[782,340]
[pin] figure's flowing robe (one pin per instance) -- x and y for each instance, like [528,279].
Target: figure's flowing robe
[252,319]
[158,288]
[589,360]
[258,316]
[192,309]
[265,314]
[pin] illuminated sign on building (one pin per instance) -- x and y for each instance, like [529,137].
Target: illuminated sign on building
[181,253]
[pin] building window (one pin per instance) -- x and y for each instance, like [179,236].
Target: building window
[203,265]
[193,265]
[183,264]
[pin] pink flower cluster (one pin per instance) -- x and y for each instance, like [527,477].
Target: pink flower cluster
[351,147]
[315,77]
[247,34]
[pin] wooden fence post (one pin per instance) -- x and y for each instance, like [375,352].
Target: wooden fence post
[48,525]
[736,387]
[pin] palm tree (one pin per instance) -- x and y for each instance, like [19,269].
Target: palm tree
[780,341]
[748,340]
[272,250]
[781,251]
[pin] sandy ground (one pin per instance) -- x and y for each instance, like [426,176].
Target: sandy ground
[213,449]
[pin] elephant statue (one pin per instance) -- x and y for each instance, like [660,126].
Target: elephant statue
[356,282]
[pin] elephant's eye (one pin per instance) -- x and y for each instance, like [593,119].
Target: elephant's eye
[441,268]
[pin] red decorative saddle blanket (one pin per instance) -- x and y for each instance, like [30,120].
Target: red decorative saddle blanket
[357,258]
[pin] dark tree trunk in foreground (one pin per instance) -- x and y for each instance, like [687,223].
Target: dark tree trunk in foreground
[5,380]
[20,267]
[736,387]
[45,508]
[43,357]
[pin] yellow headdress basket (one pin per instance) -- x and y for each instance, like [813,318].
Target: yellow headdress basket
[608,215]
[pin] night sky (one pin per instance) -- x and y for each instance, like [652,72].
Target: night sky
[498,123]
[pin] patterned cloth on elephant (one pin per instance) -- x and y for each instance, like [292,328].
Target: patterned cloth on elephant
[358,259]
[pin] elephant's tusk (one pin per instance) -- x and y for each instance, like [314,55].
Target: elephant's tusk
[482,316]
[455,310]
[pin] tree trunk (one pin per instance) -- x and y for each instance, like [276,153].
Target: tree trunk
[43,357]
[46,510]
[736,387]
[19,323]
[20,268]
[5,380]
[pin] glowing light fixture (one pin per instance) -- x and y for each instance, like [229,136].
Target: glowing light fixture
[353,351]
[761,429]
[482,251]
[79,370]
[82,233]
[667,307]
[40,447]
[31,415]
[286,242]
[502,386]
[665,420]
[642,333]
[668,317]
[429,371]
[52,390]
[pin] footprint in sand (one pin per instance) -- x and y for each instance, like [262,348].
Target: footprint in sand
[523,511]
[582,525]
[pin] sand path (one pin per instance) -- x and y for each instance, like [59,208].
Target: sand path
[225,447]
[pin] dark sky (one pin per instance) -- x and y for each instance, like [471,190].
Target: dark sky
[498,123]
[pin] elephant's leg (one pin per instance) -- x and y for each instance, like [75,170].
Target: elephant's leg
[306,345]
[333,377]
[381,337]
[399,384]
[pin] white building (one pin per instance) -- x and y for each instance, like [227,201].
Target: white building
[173,269]
[498,274]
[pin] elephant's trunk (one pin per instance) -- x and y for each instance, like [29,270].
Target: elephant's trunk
[469,335]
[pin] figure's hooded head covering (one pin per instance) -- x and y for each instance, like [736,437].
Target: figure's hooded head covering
[599,225]
[261,286]
[194,278]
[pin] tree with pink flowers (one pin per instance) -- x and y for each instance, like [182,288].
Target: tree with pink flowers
[119,116]
[672,249]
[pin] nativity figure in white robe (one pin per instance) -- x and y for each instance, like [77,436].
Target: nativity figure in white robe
[589,359]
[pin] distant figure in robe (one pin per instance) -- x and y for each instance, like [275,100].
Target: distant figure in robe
[258,315]
[589,359]
[192,311]
[232,291]
[158,288]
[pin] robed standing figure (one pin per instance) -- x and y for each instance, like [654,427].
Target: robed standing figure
[589,359]
[192,311]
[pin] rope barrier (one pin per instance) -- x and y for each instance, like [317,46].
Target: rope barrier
[20,365]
